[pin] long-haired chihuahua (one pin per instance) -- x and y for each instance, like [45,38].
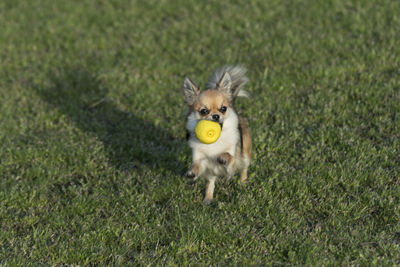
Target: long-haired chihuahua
[231,153]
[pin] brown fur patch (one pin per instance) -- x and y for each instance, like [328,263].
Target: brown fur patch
[246,137]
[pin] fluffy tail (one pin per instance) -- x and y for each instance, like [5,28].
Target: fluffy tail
[238,79]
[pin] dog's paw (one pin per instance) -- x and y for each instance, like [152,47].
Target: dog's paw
[207,201]
[190,175]
[224,159]
[243,182]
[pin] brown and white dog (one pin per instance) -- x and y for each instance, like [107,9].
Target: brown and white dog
[232,151]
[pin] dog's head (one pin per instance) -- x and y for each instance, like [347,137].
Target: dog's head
[213,104]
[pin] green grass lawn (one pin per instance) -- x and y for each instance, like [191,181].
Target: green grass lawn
[92,140]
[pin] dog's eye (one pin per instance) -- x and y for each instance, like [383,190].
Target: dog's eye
[204,111]
[223,109]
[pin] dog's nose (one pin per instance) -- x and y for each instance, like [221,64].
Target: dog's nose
[215,117]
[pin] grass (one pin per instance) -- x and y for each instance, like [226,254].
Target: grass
[92,140]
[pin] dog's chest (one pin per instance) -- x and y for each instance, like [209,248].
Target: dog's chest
[226,143]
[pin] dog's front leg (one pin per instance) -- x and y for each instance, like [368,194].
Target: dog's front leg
[226,159]
[194,171]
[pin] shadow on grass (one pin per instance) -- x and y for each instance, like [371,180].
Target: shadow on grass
[130,142]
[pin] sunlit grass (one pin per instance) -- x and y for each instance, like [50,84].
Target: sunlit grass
[93,152]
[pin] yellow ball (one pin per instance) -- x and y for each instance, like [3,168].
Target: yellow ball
[207,131]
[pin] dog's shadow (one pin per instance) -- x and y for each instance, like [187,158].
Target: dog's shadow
[129,141]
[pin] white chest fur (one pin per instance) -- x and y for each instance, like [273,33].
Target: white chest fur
[226,142]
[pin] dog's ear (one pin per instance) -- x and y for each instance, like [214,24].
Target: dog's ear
[190,90]
[225,83]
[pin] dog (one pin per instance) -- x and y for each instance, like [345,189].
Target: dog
[231,153]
